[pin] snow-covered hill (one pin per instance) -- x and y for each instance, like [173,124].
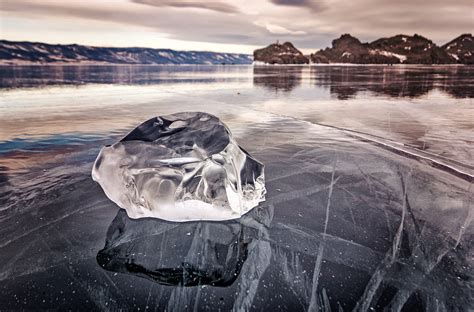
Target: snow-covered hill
[278,53]
[392,50]
[461,48]
[41,53]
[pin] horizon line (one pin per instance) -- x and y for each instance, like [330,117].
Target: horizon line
[210,51]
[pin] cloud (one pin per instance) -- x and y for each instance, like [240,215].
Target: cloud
[309,4]
[309,24]
[183,24]
[292,2]
[279,30]
[207,5]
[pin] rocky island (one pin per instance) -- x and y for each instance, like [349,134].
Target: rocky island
[461,49]
[278,53]
[399,49]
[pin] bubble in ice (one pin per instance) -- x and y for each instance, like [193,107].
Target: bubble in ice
[181,167]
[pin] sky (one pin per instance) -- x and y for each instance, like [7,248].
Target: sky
[229,25]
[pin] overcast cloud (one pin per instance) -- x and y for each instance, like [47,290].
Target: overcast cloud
[225,25]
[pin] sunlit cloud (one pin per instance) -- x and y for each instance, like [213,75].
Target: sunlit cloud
[280,30]
[217,6]
[229,25]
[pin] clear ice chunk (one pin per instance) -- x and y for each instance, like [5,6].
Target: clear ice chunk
[181,167]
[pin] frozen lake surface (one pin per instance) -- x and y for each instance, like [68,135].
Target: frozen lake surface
[368,171]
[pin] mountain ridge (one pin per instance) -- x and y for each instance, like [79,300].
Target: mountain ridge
[26,52]
[398,49]
[461,48]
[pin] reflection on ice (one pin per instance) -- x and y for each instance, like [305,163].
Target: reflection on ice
[345,82]
[186,254]
[275,78]
[349,223]
[346,226]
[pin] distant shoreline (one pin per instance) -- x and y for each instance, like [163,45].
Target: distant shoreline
[249,65]
[36,53]
[346,51]
[356,64]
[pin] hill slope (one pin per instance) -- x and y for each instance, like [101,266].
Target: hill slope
[393,50]
[461,48]
[277,53]
[41,53]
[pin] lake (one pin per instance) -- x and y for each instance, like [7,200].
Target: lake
[369,190]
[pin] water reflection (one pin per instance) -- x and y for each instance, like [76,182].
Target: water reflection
[345,82]
[276,78]
[347,226]
[34,76]
[186,254]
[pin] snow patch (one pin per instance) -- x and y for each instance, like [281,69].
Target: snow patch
[401,57]
[346,54]
[454,56]
[40,49]
[10,46]
[165,54]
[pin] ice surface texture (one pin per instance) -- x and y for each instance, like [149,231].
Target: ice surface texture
[186,254]
[181,167]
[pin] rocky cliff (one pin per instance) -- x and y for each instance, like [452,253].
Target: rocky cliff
[393,50]
[461,49]
[277,53]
